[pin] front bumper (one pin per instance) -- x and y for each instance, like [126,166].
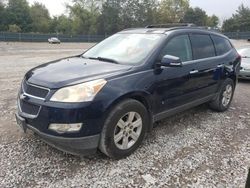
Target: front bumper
[37,112]
[41,113]
[77,146]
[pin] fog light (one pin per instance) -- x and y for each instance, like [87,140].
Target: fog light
[65,128]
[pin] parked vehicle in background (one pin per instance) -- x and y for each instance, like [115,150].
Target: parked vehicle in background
[54,40]
[109,97]
[245,63]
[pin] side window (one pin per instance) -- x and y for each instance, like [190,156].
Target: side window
[180,47]
[202,46]
[222,45]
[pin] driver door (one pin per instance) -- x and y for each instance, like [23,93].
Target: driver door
[174,87]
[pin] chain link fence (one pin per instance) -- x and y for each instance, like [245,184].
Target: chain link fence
[27,37]
[238,35]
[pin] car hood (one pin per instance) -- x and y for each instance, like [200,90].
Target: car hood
[71,71]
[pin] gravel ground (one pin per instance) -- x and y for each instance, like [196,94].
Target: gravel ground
[197,148]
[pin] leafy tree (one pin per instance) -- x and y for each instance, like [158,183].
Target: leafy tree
[200,18]
[2,17]
[53,24]
[111,16]
[145,12]
[106,16]
[239,21]
[63,25]
[110,21]
[172,11]
[18,13]
[40,18]
[212,21]
[127,15]
[230,25]
[196,16]
[14,28]
[84,14]
[117,15]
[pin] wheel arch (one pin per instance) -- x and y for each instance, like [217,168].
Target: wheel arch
[139,96]
[234,78]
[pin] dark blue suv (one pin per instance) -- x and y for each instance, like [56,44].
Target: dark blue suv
[109,97]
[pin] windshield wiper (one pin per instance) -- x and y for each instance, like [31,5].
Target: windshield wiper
[104,59]
[107,60]
[84,57]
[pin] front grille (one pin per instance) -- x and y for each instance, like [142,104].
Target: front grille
[28,108]
[36,91]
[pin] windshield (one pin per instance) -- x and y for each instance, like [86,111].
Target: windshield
[124,48]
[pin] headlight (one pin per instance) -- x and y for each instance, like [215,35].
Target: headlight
[79,93]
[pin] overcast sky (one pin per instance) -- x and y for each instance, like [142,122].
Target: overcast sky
[221,8]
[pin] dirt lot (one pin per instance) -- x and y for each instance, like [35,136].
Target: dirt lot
[197,148]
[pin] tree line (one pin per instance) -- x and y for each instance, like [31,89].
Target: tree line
[239,22]
[105,17]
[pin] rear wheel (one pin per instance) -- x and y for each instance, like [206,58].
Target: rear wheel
[225,96]
[124,129]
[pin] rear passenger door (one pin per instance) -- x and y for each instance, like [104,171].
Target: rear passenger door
[224,57]
[204,76]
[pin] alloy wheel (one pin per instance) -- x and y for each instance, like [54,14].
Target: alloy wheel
[227,95]
[128,130]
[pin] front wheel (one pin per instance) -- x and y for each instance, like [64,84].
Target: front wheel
[225,96]
[124,129]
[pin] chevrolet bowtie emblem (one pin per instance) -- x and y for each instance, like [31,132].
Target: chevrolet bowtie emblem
[22,96]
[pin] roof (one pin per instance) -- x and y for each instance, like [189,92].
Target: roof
[171,25]
[162,30]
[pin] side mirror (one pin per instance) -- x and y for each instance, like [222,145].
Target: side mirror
[171,61]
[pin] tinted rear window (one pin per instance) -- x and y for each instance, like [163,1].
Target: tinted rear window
[222,45]
[202,46]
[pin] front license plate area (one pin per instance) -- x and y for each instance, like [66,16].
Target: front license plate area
[21,123]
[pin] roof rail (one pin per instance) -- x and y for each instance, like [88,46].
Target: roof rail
[168,25]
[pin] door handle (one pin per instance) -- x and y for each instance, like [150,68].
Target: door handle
[220,65]
[193,71]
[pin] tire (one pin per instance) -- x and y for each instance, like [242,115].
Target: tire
[119,125]
[219,104]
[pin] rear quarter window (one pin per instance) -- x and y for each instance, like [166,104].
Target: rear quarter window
[202,45]
[222,45]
